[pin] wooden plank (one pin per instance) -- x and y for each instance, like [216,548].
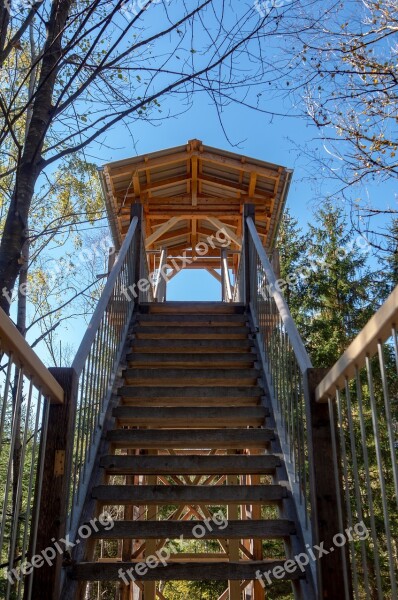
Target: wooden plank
[198,361]
[195,307]
[188,494]
[222,393]
[194,169]
[190,464]
[215,332]
[232,185]
[378,329]
[252,184]
[176,571]
[23,355]
[190,438]
[231,529]
[233,320]
[207,416]
[194,346]
[177,377]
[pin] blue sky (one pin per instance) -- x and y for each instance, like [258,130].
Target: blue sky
[279,140]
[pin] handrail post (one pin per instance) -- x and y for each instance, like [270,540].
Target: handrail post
[137,211]
[161,281]
[249,210]
[223,276]
[54,490]
[332,569]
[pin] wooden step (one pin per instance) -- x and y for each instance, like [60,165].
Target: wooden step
[190,464]
[210,529]
[190,438]
[187,416]
[160,320]
[185,571]
[191,333]
[198,361]
[189,308]
[138,495]
[196,377]
[220,346]
[191,396]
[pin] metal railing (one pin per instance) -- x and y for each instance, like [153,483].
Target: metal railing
[161,279]
[362,392]
[97,363]
[226,287]
[26,391]
[286,363]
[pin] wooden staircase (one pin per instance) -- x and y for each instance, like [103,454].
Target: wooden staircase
[191,434]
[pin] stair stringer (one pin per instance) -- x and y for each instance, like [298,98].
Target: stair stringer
[304,588]
[84,551]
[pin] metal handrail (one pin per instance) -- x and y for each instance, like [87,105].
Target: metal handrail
[285,364]
[226,281]
[97,363]
[283,309]
[12,342]
[376,331]
[161,283]
[89,336]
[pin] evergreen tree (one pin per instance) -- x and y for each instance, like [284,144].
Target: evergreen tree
[292,251]
[334,294]
[390,262]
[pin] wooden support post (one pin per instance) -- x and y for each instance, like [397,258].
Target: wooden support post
[223,276]
[249,210]
[324,496]
[233,545]
[136,211]
[151,544]
[53,501]
[257,545]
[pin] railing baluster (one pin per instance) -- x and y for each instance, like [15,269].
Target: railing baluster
[381,480]
[389,421]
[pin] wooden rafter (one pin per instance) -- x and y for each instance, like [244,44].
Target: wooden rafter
[161,230]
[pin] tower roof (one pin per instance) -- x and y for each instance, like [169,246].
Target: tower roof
[189,191]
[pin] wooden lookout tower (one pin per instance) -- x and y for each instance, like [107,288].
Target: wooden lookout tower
[190,192]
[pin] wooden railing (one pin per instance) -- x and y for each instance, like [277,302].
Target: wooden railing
[27,389]
[361,392]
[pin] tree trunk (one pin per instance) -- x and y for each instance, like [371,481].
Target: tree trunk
[31,163]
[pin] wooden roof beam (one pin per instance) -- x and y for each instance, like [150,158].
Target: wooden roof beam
[194,173]
[161,230]
[220,225]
